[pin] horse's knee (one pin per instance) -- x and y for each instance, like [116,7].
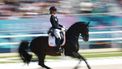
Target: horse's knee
[73,55]
[77,55]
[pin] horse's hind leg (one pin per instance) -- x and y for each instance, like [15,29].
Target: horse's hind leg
[41,58]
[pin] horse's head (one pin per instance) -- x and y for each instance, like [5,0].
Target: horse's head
[84,30]
[78,28]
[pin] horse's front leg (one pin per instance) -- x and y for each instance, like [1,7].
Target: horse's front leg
[80,57]
[77,66]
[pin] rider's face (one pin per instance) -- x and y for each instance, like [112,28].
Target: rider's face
[52,12]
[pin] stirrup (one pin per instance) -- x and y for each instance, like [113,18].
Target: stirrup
[60,50]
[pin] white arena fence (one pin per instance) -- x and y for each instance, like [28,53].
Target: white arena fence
[36,35]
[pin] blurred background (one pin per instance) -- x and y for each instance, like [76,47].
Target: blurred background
[27,19]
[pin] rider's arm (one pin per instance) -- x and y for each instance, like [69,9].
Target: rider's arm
[53,22]
[60,25]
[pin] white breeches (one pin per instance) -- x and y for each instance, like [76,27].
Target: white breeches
[57,33]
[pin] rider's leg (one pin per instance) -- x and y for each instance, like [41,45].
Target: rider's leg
[58,39]
[57,33]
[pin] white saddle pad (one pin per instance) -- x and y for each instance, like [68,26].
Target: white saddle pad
[51,41]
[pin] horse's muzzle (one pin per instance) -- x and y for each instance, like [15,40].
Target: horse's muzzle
[85,39]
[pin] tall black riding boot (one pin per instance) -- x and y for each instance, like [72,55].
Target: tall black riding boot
[58,43]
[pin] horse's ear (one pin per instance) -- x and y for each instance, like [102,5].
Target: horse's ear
[88,23]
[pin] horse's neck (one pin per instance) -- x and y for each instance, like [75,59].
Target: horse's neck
[72,33]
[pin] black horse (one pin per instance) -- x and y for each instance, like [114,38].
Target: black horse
[39,46]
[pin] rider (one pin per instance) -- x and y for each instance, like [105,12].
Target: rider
[56,27]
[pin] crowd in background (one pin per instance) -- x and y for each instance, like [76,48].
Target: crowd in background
[31,8]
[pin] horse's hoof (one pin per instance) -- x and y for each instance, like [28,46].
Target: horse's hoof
[76,67]
[48,68]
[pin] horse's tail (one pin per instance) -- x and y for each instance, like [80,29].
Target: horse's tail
[23,52]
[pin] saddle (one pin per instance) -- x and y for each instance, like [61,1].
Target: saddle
[52,38]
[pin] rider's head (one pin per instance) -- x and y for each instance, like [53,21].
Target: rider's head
[52,10]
